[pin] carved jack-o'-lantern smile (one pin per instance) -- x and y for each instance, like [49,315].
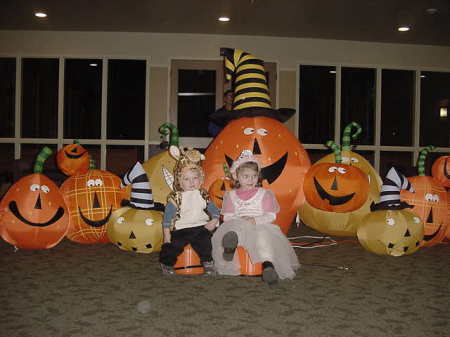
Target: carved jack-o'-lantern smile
[15,210]
[73,153]
[331,198]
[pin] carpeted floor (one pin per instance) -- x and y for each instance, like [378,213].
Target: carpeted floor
[98,290]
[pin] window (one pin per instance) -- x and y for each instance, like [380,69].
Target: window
[7,96]
[40,98]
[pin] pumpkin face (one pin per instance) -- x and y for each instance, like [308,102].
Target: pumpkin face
[72,159]
[441,171]
[34,213]
[91,198]
[336,187]
[218,189]
[136,230]
[391,232]
[283,160]
[430,204]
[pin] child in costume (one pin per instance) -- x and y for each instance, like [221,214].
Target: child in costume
[185,217]
[248,213]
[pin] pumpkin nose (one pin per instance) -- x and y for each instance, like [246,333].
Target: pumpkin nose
[430,216]
[38,203]
[256,148]
[132,236]
[334,186]
[96,203]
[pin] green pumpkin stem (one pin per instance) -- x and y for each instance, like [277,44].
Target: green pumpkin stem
[346,145]
[421,161]
[40,159]
[337,151]
[91,163]
[169,128]
[76,141]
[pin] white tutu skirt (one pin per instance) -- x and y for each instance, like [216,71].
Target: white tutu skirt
[263,242]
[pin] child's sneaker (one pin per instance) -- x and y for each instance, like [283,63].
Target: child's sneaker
[269,275]
[229,242]
[167,270]
[209,268]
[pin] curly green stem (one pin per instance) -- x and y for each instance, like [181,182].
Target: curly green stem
[421,161]
[337,151]
[40,159]
[347,136]
[91,163]
[171,130]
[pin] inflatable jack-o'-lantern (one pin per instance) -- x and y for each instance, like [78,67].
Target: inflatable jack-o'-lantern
[160,164]
[219,187]
[343,223]
[391,229]
[138,226]
[441,170]
[253,125]
[34,213]
[73,159]
[336,187]
[91,198]
[429,201]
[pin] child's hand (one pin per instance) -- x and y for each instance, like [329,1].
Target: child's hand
[249,219]
[212,224]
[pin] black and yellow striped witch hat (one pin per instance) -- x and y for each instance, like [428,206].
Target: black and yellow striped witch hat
[250,86]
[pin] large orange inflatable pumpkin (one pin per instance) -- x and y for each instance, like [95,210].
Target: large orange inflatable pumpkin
[429,201]
[34,213]
[283,159]
[91,198]
[72,159]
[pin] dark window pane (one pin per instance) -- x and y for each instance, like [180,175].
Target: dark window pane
[29,153]
[126,99]
[196,100]
[82,99]
[434,100]
[6,167]
[7,96]
[315,155]
[358,101]
[119,159]
[40,98]
[397,105]
[401,160]
[317,104]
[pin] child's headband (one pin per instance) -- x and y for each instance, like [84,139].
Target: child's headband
[244,157]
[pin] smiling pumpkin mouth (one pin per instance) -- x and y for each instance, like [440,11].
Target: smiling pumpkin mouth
[15,210]
[74,156]
[335,201]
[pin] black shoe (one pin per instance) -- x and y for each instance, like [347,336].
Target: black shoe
[269,274]
[229,243]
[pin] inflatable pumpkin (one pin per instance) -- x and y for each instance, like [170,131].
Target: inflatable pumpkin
[336,187]
[219,187]
[138,226]
[391,229]
[34,213]
[441,170]
[73,159]
[91,198]
[343,223]
[429,201]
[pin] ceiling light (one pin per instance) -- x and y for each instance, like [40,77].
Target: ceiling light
[332,71]
[93,64]
[422,76]
[40,14]
[431,11]
[224,19]
[403,28]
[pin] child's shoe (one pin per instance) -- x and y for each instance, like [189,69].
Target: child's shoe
[209,268]
[269,274]
[167,270]
[229,243]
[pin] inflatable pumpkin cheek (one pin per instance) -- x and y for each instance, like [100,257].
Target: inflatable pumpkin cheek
[72,159]
[91,198]
[391,232]
[336,187]
[441,170]
[218,189]
[136,230]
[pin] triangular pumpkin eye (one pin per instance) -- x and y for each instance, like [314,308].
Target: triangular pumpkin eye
[407,233]
[132,236]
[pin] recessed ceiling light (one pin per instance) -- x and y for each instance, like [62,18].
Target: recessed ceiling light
[431,11]
[423,76]
[404,28]
[40,14]
[224,19]
[332,71]
[93,64]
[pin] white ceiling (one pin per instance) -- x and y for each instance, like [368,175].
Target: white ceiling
[360,20]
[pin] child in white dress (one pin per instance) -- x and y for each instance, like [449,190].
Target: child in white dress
[248,213]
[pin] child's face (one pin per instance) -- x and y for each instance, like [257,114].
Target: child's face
[247,177]
[190,180]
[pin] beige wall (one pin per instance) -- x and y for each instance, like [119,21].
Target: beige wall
[162,48]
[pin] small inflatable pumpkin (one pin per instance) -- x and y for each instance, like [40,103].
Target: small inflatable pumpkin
[91,198]
[391,229]
[73,159]
[34,212]
[441,170]
[138,226]
[429,201]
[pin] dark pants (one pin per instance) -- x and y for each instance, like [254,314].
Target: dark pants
[199,238]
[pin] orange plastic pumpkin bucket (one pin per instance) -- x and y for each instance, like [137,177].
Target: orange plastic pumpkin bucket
[188,262]
[247,267]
